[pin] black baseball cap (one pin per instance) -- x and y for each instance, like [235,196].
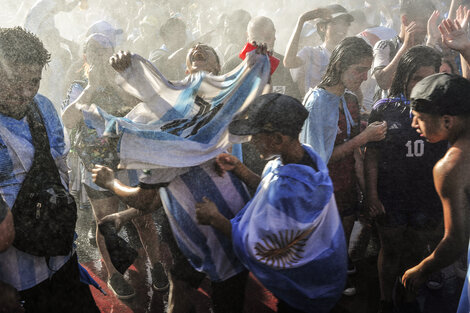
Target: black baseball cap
[336,11]
[441,94]
[273,112]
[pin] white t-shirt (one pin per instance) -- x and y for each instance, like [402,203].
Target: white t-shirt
[316,61]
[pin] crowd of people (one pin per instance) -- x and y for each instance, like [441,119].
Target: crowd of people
[230,158]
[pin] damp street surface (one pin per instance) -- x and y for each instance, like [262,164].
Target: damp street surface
[257,299]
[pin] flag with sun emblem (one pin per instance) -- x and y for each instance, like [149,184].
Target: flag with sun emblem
[179,124]
[291,238]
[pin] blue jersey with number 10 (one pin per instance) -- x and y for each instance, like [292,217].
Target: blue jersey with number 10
[405,180]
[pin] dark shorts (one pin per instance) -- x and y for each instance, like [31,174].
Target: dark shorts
[416,219]
[64,292]
[347,201]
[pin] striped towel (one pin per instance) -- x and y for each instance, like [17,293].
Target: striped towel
[207,249]
[179,124]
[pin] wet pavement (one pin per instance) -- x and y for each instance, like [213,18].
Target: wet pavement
[258,299]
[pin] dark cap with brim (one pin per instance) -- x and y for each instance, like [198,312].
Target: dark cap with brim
[337,12]
[272,112]
[441,94]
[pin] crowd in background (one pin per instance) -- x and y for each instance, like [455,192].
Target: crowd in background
[353,65]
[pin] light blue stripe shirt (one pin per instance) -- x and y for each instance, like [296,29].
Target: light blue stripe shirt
[17,268]
[208,250]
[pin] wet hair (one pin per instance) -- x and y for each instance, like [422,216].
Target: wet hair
[350,51]
[169,27]
[450,61]
[19,46]
[409,63]
[416,8]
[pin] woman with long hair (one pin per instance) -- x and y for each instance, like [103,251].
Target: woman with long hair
[333,127]
[398,171]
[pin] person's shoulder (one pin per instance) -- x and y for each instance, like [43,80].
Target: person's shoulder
[382,45]
[231,63]
[310,51]
[44,103]
[388,104]
[451,172]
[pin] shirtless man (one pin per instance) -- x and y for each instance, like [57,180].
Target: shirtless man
[440,110]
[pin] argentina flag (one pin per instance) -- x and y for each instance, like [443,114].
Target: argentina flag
[291,238]
[179,124]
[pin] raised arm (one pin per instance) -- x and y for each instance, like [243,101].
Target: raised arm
[72,114]
[455,37]
[291,60]
[136,197]
[385,75]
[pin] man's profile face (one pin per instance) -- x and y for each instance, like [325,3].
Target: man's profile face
[263,144]
[429,126]
[19,84]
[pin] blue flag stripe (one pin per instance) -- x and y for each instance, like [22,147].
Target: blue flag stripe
[186,224]
[210,190]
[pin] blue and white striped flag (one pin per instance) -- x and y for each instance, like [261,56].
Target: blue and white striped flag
[291,238]
[179,124]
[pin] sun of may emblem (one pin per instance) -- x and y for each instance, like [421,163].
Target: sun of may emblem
[283,249]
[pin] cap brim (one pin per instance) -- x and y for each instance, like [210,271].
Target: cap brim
[348,17]
[242,128]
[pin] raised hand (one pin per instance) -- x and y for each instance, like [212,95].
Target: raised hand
[463,17]
[121,60]
[103,176]
[453,35]
[433,31]
[314,14]
[410,32]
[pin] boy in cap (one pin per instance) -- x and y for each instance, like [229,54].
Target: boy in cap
[289,235]
[309,64]
[441,112]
